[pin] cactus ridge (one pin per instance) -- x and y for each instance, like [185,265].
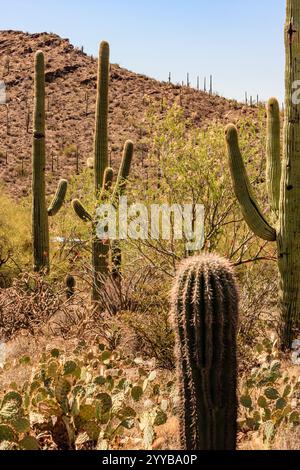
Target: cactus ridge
[273,170]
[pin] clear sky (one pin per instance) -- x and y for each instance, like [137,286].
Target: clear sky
[239,42]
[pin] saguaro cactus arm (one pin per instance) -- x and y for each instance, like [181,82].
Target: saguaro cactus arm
[107,182]
[101,130]
[59,198]
[243,189]
[80,211]
[124,170]
[273,170]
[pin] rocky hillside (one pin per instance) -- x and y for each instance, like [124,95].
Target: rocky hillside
[71,88]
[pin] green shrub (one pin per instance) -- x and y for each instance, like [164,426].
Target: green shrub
[15,241]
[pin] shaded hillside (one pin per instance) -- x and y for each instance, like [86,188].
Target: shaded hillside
[71,87]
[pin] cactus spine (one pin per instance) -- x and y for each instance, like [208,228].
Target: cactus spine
[282,181]
[204,312]
[40,213]
[103,175]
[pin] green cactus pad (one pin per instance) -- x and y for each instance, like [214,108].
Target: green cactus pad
[7,433]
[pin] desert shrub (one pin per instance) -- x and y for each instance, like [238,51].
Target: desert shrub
[36,304]
[70,150]
[152,336]
[15,242]
[135,315]
[188,165]
[29,303]
[269,396]
[91,399]
[258,312]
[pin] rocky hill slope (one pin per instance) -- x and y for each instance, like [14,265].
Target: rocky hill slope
[71,89]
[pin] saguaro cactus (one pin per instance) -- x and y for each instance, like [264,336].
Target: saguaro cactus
[204,313]
[40,213]
[103,175]
[282,180]
[101,123]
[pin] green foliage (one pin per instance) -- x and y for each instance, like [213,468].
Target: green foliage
[269,397]
[68,399]
[15,242]
[185,164]
[70,150]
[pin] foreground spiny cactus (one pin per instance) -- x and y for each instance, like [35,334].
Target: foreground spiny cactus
[40,213]
[282,181]
[103,175]
[205,313]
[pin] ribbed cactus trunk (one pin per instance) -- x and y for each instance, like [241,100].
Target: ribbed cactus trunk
[100,264]
[101,125]
[283,182]
[40,231]
[205,313]
[100,250]
[289,213]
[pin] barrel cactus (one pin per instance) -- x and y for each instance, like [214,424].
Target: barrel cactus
[70,283]
[40,212]
[103,175]
[205,312]
[282,182]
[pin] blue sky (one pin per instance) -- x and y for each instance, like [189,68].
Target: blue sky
[239,42]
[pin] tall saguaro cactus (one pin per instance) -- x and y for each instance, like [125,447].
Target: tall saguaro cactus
[204,313]
[101,123]
[40,213]
[283,178]
[103,175]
